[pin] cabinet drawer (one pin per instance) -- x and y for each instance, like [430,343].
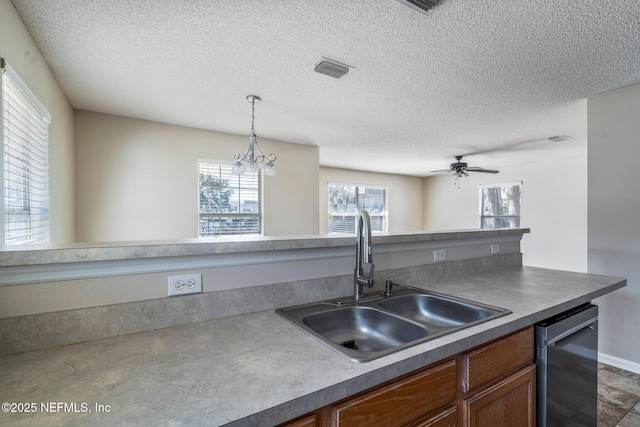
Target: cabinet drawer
[401,402]
[497,359]
[309,421]
[442,419]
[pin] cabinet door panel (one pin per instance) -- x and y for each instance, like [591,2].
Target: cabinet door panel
[509,403]
[399,403]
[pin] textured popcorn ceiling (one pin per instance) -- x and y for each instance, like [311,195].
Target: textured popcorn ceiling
[491,77]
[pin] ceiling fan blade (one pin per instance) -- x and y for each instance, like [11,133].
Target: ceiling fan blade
[442,171]
[482,170]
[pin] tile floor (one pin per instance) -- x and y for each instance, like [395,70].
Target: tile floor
[618,397]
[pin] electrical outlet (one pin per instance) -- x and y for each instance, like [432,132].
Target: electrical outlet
[439,255]
[185,284]
[495,248]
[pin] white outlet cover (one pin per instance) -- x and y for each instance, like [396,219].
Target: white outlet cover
[495,248]
[439,255]
[185,284]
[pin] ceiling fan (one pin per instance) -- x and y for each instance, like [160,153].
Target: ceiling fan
[460,169]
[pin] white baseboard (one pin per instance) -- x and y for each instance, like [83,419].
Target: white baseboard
[627,365]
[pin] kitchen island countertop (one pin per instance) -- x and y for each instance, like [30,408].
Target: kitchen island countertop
[256,369]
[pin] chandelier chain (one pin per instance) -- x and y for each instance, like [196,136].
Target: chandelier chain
[253,116]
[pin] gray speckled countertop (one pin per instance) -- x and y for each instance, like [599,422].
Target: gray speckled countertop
[255,369]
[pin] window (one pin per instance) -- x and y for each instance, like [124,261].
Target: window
[346,200]
[25,166]
[500,205]
[229,204]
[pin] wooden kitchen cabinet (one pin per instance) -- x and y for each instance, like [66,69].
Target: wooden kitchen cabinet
[508,403]
[492,385]
[401,402]
[496,359]
[446,418]
[308,421]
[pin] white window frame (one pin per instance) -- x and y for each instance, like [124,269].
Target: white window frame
[231,217]
[384,215]
[482,187]
[32,153]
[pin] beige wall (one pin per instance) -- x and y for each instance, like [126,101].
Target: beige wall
[554,206]
[138,180]
[614,219]
[405,195]
[18,48]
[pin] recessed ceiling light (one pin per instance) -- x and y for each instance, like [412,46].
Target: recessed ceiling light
[331,68]
[559,138]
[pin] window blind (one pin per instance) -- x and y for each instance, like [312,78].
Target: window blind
[25,169]
[229,204]
[346,200]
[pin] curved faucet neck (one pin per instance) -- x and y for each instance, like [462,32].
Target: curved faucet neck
[363,255]
[363,239]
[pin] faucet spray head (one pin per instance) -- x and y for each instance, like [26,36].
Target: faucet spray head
[366,236]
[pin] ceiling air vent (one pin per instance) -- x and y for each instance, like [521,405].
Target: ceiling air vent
[422,6]
[331,68]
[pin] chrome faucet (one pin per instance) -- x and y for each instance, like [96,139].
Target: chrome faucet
[363,255]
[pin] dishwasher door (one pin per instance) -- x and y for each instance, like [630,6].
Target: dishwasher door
[567,368]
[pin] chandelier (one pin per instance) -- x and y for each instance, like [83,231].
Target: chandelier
[249,161]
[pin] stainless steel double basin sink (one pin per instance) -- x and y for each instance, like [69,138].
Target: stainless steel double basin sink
[381,325]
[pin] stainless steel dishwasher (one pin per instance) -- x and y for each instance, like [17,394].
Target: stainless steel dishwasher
[567,368]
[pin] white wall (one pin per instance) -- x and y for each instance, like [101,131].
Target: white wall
[614,217]
[19,49]
[404,196]
[138,180]
[554,206]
